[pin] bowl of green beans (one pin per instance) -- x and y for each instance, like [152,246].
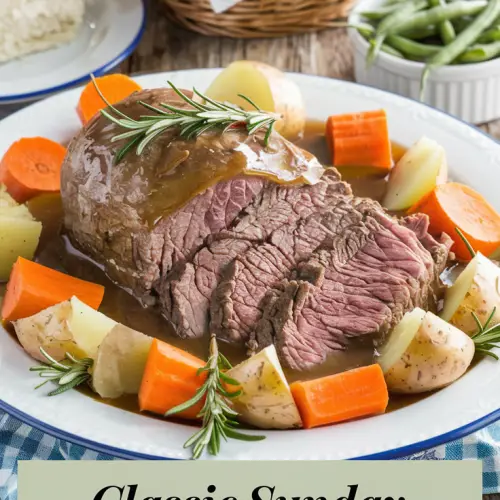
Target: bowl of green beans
[445,53]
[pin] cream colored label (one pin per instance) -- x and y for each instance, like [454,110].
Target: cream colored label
[212,480]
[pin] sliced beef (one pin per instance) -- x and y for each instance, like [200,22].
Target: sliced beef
[439,249]
[185,295]
[366,292]
[236,303]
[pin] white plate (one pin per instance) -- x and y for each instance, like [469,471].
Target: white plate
[467,405]
[110,32]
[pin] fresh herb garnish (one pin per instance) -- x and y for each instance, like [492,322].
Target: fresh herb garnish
[466,242]
[486,336]
[67,375]
[207,115]
[219,419]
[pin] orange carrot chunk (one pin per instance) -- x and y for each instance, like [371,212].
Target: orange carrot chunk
[360,139]
[170,378]
[113,87]
[33,287]
[352,394]
[455,205]
[32,166]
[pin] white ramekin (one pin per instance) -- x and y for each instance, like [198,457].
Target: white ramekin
[470,91]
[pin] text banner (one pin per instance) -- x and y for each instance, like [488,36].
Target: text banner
[238,480]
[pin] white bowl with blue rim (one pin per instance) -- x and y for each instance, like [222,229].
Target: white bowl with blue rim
[110,32]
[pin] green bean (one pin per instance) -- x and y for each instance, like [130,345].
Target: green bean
[377,15]
[469,36]
[461,23]
[416,59]
[446,29]
[403,11]
[480,53]
[366,30]
[491,35]
[391,50]
[420,33]
[411,48]
[437,15]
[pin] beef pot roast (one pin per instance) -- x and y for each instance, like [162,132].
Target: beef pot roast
[150,212]
[310,268]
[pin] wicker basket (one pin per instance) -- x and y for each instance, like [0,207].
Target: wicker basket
[258,18]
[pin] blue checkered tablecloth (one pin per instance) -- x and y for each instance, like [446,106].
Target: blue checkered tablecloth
[19,441]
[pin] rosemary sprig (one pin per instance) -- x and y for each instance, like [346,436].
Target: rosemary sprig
[201,117]
[219,419]
[466,242]
[67,375]
[487,336]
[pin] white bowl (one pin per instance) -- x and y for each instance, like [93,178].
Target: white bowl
[470,91]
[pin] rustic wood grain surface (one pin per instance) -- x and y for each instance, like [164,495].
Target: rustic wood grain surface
[166,47]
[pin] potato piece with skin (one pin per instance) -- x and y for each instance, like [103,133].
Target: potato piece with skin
[476,290]
[19,233]
[416,174]
[400,338]
[19,237]
[268,88]
[437,356]
[120,362]
[266,400]
[70,326]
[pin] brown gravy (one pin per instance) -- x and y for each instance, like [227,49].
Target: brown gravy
[56,252]
[171,171]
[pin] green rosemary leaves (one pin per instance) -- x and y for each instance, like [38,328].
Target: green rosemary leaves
[219,420]
[66,375]
[200,117]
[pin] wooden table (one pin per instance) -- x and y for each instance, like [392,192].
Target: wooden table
[166,47]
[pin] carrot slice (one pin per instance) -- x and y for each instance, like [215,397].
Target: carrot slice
[170,378]
[360,139]
[114,88]
[32,166]
[352,394]
[33,287]
[454,205]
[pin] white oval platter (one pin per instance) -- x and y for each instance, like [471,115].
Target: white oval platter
[467,405]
